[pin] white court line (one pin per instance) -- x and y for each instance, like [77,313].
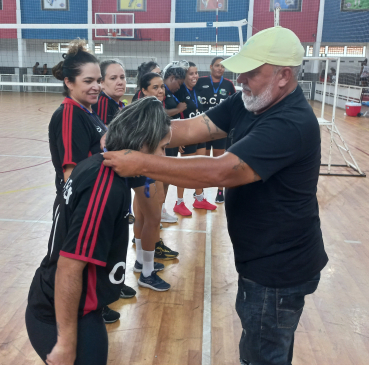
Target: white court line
[24,156]
[24,221]
[182,230]
[352,241]
[206,321]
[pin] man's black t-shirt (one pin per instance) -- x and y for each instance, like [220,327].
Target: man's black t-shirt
[91,224]
[190,97]
[106,108]
[274,224]
[74,134]
[213,94]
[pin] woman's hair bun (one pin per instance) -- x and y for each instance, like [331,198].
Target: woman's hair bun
[57,71]
[77,45]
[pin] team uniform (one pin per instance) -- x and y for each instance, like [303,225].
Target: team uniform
[139,94]
[74,135]
[171,102]
[91,225]
[211,94]
[194,108]
[106,108]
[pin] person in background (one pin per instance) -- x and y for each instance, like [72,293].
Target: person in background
[75,129]
[84,268]
[213,90]
[322,75]
[187,94]
[35,69]
[44,69]
[333,75]
[364,73]
[143,69]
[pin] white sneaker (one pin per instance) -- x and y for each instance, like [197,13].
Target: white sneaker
[167,218]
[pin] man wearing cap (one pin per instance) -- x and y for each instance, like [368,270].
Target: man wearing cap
[271,171]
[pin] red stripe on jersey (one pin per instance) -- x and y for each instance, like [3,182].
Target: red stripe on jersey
[89,207]
[67,133]
[98,106]
[82,258]
[89,153]
[106,111]
[94,213]
[101,211]
[91,296]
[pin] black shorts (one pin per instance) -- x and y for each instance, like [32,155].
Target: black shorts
[218,144]
[192,148]
[92,338]
[171,152]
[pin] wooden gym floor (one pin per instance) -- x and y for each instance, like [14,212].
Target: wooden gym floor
[167,328]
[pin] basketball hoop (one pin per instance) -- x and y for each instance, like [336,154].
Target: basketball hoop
[113,37]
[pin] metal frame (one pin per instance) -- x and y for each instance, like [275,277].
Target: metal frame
[117,29]
[341,145]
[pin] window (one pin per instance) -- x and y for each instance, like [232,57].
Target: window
[209,50]
[53,47]
[338,51]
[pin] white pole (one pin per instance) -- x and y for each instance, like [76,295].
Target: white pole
[318,38]
[89,31]
[250,19]
[172,31]
[19,34]
[276,16]
[240,36]
[324,87]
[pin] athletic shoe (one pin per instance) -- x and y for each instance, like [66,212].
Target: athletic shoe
[131,218]
[153,282]
[164,252]
[109,315]
[157,267]
[204,204]
[127,292]
[182,210]
[220,197]
[167,218]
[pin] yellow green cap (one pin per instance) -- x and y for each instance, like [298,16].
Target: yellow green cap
[277,46]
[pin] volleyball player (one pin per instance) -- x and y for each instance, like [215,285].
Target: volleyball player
[187,94]
[152,85]
[214,89]
[85,264]
[75,129]
[143,69]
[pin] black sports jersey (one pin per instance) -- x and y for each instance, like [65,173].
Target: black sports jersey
[190,97]
[213,94]
[171,102]
[137,96]
[91,225]
[74,134]
[106,108]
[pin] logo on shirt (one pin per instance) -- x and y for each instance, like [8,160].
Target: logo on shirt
[67,191]
[98,129]
[205,86]
[187,97]
[223,92]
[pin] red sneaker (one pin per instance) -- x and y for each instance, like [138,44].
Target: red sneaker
[204,204]
[182,209]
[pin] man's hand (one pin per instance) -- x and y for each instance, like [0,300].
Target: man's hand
[61,355]
[181,107]
[125,162]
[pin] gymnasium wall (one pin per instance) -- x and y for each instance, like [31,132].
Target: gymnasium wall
[186,12]
[8,15]
[342,26]
[304,23]
[32,14]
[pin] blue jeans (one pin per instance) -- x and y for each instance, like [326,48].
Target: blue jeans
[269,318]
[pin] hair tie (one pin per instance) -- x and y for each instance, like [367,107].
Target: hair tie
[64,55]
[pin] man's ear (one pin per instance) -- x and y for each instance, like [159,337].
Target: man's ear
[286,76]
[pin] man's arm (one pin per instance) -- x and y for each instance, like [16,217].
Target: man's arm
[190,172]
[194,130]
[68,289]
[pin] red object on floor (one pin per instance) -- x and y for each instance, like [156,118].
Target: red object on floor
[204,204]
[353,109]
[182,210]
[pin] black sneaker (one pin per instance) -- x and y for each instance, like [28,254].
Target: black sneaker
[164,252]
[153,282]
[109,316]
[127,292]
[131,218]
[220,197]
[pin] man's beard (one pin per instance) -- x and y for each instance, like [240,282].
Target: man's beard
[255,103]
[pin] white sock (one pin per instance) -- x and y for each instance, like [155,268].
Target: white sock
[148,262]
[138,250]
[179,201]
[200,197]
[163,210]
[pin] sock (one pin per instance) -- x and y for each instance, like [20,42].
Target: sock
[200,197]
[163,210]
[179,201]
[138,250]
[148,262]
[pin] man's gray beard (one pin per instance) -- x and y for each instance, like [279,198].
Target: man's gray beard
[254,103]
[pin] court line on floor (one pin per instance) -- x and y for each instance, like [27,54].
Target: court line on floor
[24,221]
[182,230]
[25,189]
[206,321]
[48,157]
